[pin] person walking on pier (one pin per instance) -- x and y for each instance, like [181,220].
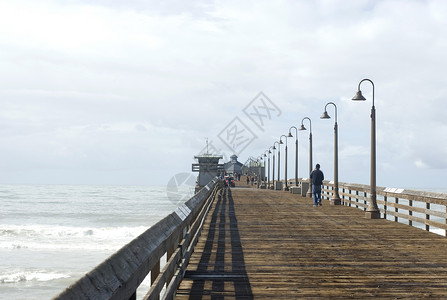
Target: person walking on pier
[317,178]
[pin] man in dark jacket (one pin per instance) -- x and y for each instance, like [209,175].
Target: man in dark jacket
[317,178]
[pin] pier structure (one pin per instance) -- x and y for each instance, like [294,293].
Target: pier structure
[252,243]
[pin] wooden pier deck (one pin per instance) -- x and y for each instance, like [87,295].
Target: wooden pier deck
[259,244]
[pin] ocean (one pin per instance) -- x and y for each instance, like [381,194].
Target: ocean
[51,235]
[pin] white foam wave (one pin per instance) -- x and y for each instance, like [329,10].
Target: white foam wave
[22,276]
[66,237]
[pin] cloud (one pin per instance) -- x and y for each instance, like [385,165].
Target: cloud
[102,85]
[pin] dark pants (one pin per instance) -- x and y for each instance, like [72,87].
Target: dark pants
[316,193]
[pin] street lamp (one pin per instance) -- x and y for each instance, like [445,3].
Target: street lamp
[309,191]
[263,177]
[335,197]
[296,152]
[285,163]
[273,166]
[279,163]
[274,148]
[372,211]
[270,152]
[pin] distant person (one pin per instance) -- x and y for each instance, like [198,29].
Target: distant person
[248,179]
[317,178]
[252,180]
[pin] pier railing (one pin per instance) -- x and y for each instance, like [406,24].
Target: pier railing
[119,276]
[426,210]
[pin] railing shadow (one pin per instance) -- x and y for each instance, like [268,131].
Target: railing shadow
[224,227]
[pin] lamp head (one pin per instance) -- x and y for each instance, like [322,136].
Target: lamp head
[274,148]
[358,96]
[280,141]
[325,115]
[302,127]
[290,134]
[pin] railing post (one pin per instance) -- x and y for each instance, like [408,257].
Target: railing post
[155,272]
[410,212]
[365,194]
[385,206]
[356,199]
[350,198]
[427,216]
[396,218]
[168,256]
[333,192]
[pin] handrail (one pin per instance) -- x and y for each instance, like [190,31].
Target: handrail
[428,209]
[119,276]
[417,208]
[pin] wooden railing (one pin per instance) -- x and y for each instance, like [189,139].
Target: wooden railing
[421,209]
[426,210]
[121,274]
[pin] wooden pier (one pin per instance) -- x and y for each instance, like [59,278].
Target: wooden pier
[250,243]
[259,244]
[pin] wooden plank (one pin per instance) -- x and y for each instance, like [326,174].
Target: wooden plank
[270,244]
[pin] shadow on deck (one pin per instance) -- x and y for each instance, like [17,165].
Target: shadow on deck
[220,271]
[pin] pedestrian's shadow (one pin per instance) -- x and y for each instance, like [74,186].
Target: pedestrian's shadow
[213,273]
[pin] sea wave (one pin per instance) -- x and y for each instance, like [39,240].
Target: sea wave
[66,237]
[35,275]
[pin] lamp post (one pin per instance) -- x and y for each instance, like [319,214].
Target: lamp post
[296,152]
[335,197]
[286,188]
[273,166]
[263,177]
[270,152]
[372,211]
[274,148]
[279,163]
[309,191]
[258,160]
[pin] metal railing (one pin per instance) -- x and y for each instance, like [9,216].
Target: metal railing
[175,236]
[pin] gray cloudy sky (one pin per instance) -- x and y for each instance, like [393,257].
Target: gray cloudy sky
[125,92]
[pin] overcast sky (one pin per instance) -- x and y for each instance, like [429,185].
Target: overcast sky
[126,92]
